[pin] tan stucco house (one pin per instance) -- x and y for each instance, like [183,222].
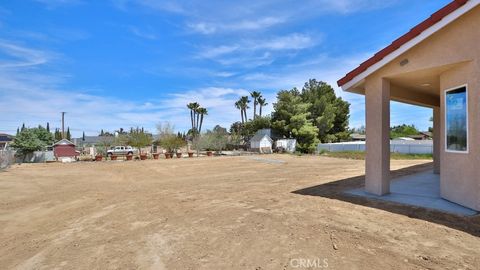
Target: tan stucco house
[436,65]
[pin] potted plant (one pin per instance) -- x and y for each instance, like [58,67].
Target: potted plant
[129,157]
[98,157]
[113,157]
[179,154]
[138,138]
[169,140]
[155,155]
[213,140]
[190,154]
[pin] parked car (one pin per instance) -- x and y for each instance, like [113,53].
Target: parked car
[121,151]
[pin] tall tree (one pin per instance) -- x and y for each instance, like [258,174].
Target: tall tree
[262,102]
[329,113]
[83,136]
[27,142]
[255,95]
[23,127]
[42,134]
[196,106]
[191,107]
[121,131]
[244,101]
[48,126]
[238,105]
[32,139]
[202,112]
[69,136]
[57,135]
[287,105]
[291,118]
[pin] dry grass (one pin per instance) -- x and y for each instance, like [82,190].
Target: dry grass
[361,155]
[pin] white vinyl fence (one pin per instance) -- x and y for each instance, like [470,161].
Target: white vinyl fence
[396,146]
[7,158]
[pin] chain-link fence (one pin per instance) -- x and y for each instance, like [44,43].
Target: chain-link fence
[7,158]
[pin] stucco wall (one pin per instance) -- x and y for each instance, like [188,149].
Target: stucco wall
[459,176]
[455,48]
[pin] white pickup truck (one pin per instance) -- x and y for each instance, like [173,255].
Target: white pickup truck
[121,151]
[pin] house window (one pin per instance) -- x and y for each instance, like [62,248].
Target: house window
[456,119]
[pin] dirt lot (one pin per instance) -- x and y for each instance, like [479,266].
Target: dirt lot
[220,213]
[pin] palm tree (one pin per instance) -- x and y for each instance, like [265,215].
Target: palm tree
[255,95]
[197,121]
[238,105]
[244,104]
[191,107]
[202,112]
[262,102]
[194,116]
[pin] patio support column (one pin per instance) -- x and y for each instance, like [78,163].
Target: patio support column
[436,140]
[377,167]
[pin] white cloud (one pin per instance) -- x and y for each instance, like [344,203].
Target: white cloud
[295,41]
[223,74]
[214,52]
[147,33]
[35,97]
[203,28]
[164,5]
[246,8]
[255,53]
[244,15]
[59,3]
[37,104]
[253,24]
[23,56]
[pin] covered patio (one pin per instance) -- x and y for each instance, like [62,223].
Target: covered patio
[435,65]
[421,190]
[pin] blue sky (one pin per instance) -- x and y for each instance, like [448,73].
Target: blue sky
[123,63]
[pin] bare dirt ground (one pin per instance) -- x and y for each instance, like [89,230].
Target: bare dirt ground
[220,213]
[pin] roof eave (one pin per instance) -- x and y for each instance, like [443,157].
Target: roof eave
[371,65]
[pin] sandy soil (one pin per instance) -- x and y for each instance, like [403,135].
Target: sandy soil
[220,213]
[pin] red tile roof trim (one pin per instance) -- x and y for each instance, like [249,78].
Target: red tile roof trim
[417,30]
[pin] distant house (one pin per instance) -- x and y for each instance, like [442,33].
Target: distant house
[261,143]
[358,137]
[287,145]
[93,140]
[422,136]
[5,140]
[65,149]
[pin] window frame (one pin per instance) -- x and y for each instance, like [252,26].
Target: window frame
[466,115]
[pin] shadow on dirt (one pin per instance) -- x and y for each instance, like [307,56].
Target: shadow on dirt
[335,190]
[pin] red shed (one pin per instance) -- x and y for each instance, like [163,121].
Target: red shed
[65,148]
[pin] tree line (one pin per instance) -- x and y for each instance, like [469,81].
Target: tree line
[311,115]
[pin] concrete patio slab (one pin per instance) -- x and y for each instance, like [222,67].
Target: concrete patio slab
[422,190]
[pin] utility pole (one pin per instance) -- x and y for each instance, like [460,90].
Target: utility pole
[63,125]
